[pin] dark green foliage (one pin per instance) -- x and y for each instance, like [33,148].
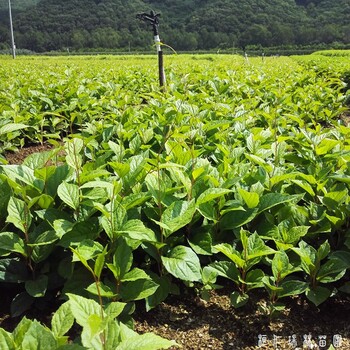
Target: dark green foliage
[185,25]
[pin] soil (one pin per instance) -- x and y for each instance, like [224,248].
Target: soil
[19,156]
[196,324]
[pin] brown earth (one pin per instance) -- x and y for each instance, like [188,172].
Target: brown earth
[217,325]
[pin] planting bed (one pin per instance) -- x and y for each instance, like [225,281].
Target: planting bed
[221,205]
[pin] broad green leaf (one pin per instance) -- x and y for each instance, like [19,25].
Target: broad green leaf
[238,300]
[122,260]
[121,169]
[62,226]
[225,269]
[44,238]
[69,194]
[98,184]
[341,178]
[135,200]
[91,335]
[210,194]
[333,267]
[100,289]
[280,265]
[201,242]
[6,340]
[147,341]
[38,337]
[231,253]
[270,283]
[323,250]
[11,127]
[335,198]
[257,247]
[99,264]
[343,256]
[73,149]
[237,218]
[94,324]
[62,320]
[259,161]
[208,211]
[112,334]
[156,185]
[254,279]
[292,287]
[83,308]
[209,275]
[114,309]
[19,214]
[307,255]
[82,259]
[23,175]
[282,178]
[325,146]
[20,330]
[87,229]
[44,201]
[294,234]
[138,289]
[88,249]
[40,160]
[137,167]
[178,215]
[11,243]
[318,295]
[135,274]
[271,200]
[37,288]
[251,199]
[305,186]
[183,263]
[60,174]
[135,229]
[165,287]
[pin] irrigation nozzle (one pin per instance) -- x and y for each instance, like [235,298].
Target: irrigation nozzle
[152,18]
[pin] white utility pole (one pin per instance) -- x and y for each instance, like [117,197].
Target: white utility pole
[12,36]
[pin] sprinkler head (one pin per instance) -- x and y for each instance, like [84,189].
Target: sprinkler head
[152,17]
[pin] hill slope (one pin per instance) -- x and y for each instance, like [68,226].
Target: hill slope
[185,25]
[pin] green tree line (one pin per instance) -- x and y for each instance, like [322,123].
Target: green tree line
[185,25]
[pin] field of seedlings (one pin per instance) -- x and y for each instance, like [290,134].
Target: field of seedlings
[117,198]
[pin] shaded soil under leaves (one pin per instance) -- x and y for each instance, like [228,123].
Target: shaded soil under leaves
[217,325]
[19,156]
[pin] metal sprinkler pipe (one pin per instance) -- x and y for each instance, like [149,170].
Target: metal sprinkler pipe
[11,29]
[153,19]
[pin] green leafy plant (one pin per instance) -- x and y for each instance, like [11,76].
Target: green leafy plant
[100,330]
[239,267]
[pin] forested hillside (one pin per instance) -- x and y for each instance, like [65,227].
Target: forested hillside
[185,25]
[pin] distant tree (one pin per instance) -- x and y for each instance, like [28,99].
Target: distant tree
[329,33]
[281,34]
[79,39]
[183,41]
[256,34]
